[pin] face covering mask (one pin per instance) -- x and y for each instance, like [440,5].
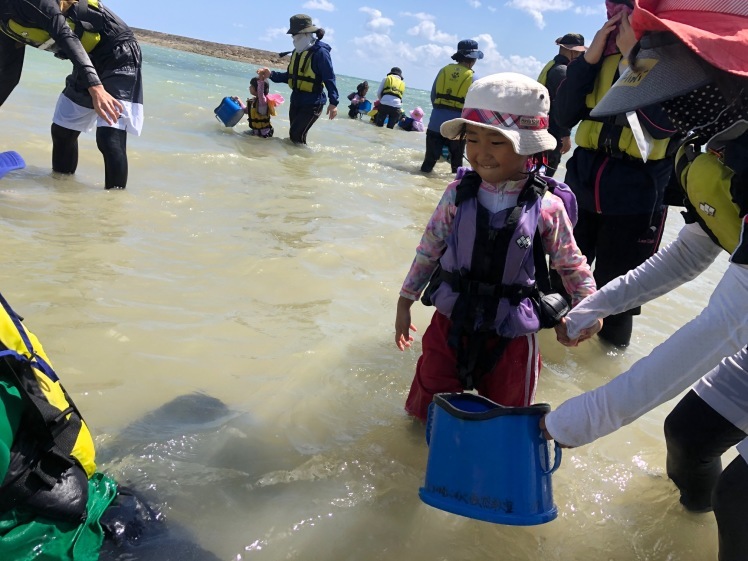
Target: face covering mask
[704,112]
[302,42]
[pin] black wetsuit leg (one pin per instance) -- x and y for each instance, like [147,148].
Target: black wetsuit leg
[302,117]
[434,143]
[456,150]
[696,437]
[64,149]
[729,499]
[112,144]
[553,158]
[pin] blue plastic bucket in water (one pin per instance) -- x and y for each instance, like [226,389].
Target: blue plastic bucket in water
[364,107]
[229,112]
[489,462]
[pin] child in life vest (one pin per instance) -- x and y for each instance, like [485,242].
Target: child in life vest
[357,98]
[483,253]
[414,122]
[260,108]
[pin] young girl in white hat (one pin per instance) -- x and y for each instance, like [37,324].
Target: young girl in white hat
[484,252]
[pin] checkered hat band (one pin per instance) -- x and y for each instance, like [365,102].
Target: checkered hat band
[507,120]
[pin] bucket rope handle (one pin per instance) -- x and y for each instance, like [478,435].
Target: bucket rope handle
[556,460]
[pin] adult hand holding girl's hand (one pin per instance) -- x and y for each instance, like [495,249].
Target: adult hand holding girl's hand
[562,333]
[403,325]
[263,73]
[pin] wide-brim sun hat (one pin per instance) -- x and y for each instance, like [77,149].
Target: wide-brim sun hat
[667,67]
[301,23]
[514,105]
[572,42]
[468,48]
[417,113]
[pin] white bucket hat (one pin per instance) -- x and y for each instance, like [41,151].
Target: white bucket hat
[513,104]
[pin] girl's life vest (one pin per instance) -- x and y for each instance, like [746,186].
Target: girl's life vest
[257,121]
[52,455]
[618,139]
[452,84]
[301,77]
[84,18]
[394,85]
[490,280]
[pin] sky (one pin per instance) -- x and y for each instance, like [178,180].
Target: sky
[369,38]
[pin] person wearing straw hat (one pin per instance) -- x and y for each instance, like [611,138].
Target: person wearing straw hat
[105,89]
[618,171]
[570,46]
[483,253]
[309,72]
[447,98]
[692,58]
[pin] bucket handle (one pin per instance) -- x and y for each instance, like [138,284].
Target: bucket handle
[556,460]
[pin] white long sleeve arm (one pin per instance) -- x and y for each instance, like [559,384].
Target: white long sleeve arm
[720,330]
[683,260]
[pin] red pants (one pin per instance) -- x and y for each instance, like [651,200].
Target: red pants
[511,382]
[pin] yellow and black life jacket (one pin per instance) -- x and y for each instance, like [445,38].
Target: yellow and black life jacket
[452,84]
[300,74]
[543,77]
[258,121]
[40,39]
[589,130]
[706,182]
[52,455]
[394,85]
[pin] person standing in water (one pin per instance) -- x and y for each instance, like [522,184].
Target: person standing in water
[692,59]
[570,46]
[484,253]
[618,173]
[447,98]
[390,96]
[309,69]
[105,88]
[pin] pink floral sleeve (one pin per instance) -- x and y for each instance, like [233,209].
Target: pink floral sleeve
[559,244]
[433,244]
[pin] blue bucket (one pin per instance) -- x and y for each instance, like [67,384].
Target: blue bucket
[229,112]
[489,462]
[364,107]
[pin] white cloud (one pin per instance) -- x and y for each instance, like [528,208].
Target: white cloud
[491,8]
[536,8]
[474,3]
[493,61]
[273,33]
[377,22]
[416,59]
[426,29]
[323,5]
[419,15]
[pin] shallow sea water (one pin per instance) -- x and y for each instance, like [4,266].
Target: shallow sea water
[265,275]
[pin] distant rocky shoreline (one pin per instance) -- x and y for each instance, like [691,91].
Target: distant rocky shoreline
[208,48]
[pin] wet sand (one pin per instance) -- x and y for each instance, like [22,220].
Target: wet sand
[208,48]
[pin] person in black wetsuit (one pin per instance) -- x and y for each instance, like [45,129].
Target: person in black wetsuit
[105,87]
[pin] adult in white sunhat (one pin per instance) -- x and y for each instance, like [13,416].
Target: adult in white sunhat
[479,251]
